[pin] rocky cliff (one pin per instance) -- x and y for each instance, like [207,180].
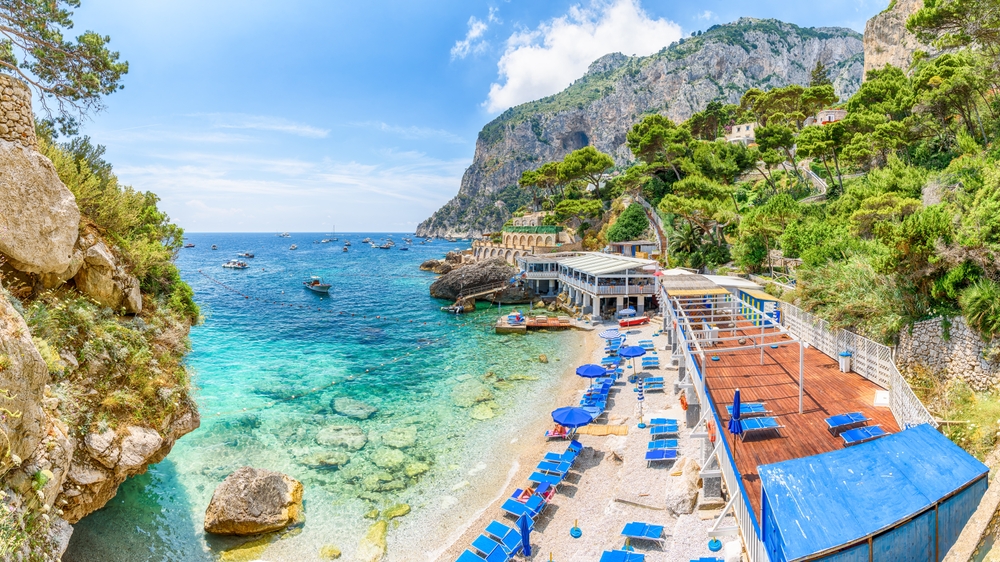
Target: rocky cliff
[599,108]
[886,39]
[92,389]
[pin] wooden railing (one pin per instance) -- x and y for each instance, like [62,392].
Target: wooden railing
[870,359]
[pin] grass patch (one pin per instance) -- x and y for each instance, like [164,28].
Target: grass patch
[975,415]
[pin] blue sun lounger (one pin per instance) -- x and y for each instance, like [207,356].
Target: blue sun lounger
[543,478]
[509,538]
[753,425]
[498,555]
[663,430]
[490,548]
[532,507]
[860,435]
[568,456]
[662,444]
[553,467]
[622,556]
[660,455]
[842,422]
[663,421]
[749,410]
[644,531]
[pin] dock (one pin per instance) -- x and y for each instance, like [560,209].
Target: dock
[505,326]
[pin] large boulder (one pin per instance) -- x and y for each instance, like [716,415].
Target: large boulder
[485,273]
[23,375]
[251,501]
[39,219]
[682,491]
[353,408]
[101,278]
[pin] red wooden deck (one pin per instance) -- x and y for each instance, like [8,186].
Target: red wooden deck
[827,392]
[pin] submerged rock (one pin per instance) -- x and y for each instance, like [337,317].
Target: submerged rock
[373,514]
[401,438]
[329,552]
[327,459]
[481,412]
[246,552]
[388,458]
[251,501]
[353,408]
[397,510]
[468,393]
[543,358]
[349,436]
[372,545]
[416,469]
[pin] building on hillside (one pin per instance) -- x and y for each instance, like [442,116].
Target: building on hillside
[597,283]
[826,116]
[643,249]
[525,235]
[742,133]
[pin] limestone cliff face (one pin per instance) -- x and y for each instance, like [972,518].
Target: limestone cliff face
[886,39]
[599,108]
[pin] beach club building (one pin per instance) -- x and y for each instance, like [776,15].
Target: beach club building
[598,283]
[831,456]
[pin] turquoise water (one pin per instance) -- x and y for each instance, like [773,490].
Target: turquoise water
[267,369]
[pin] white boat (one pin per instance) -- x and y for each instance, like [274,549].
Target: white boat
[246,255]
[284,235]
[347,243]
[214,247]
[316,285]
[235,264]
[345,248]
[367,240]
[293,247]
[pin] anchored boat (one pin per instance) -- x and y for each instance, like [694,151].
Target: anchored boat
[293,247]
[316,285]
[235,264]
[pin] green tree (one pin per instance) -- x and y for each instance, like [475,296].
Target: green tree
[632,223]
[587,164]
[768,221]
[658,142]
[577,209]
[820,76]
[704,203]
[779,138]
[74,73]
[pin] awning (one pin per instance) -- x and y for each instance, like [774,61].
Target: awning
[696,292]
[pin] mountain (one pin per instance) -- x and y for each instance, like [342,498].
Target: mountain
[617,91]
[886,39]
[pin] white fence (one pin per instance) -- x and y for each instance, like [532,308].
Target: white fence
[870,359]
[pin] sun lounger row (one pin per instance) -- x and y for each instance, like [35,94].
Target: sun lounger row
[499,543]
[853,428]
[750,409]
[548,474]
[660,449]
[758,425]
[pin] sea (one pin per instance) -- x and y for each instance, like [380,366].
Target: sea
[270,359]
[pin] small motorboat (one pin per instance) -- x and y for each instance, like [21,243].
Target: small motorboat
[345,248]
[235,264]
[189,245]
[284,235]
[634,321]
[293,247]
[316,285]
[324,241]
[453,309]
[245,255]
[347,243]
[214,247]
[404,249]
[386,246]
[366,240]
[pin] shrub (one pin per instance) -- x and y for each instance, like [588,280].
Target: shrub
[981,306]
[631,224]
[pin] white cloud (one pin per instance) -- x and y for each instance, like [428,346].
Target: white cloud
[472,42]
[707,15]
[543,61]
[413,132]
[492,18]
[265,123]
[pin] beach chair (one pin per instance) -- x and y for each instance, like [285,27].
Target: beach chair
[543,478]
[660,455]
[758,425]
[664,431]
[622,556]
[842,422]
[663,421]
[553,467]
[531,508]
[653,379]
[662,444]
[654,387]
[860,435]
[509,539]
[568,456]
[644,531]
[559,432]
[750,409]
[491,549]
[708,559]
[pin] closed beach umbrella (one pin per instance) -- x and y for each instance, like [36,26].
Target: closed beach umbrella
[572,417]
[524,526]
[591,371]
[734,421]
[610,334]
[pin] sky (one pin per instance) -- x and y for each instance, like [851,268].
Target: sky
[302,115]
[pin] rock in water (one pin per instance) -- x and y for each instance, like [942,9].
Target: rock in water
[251,501]
[468,393]
[329,552]
[397,510]
[39,218]
[372,546]
[353,408]
[543,358]
[349,436]
[485,273]
[481,412]
[401,437]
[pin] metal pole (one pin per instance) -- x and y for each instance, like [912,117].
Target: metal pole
[801,361]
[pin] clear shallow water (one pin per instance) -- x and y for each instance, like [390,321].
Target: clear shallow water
[266,376]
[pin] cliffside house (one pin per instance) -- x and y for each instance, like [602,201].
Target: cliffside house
[826,117]
[742,133]
[599,284]
[524,236]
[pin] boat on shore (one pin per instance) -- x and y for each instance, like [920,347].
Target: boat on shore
[634,321]
[316,285]
[235,264]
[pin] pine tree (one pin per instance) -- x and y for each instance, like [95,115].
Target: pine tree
[819,76]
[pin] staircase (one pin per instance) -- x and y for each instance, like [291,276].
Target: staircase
[654,219]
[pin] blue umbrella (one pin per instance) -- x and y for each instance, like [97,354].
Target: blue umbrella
[591,371]
[734,422]
[631,351]
[524,526]
[572,417]
[610,334]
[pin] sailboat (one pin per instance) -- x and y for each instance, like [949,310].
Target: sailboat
[334,239]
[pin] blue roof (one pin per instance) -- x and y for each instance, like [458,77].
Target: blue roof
[832,499]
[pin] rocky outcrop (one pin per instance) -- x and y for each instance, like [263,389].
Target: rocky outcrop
[961,353]
[252,501]
[617,91]
[469,277]
[886,39]
[102,278]
[39,219]
[23,375]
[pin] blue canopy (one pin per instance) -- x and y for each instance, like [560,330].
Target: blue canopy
[735,427]
[591,371]
[631,351]
[821,502]
[572,417]
[627,312]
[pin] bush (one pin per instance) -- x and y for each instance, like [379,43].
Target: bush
[631,224]
[981,307]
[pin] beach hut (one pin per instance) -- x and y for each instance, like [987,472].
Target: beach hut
[906,496]
[759,300]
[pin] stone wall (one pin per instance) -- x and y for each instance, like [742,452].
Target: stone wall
[17,123]
[961,355]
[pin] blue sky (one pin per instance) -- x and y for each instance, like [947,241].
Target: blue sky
[301,115]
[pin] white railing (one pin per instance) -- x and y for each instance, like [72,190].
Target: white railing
[870,359]
[553,275]
[623,290]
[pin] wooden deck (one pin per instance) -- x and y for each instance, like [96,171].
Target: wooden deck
[827,392]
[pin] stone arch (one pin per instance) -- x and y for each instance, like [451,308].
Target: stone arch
[548,240]
[493,252]
[506,239]
[507,255]
[522,240]
[517,255]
